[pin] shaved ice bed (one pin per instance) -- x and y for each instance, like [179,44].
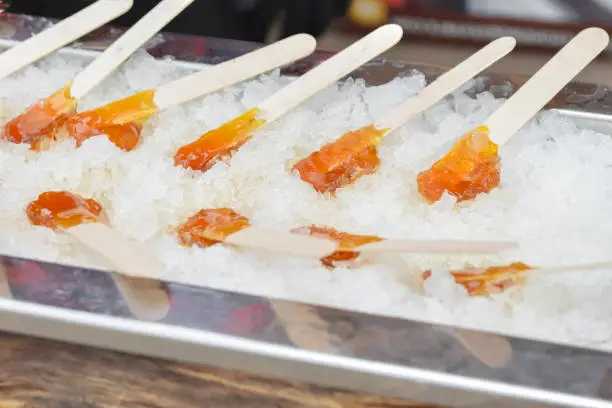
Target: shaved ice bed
[555,198]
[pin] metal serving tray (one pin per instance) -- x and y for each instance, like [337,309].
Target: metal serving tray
[417,361]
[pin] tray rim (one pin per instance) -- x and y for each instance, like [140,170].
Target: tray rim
[126,335]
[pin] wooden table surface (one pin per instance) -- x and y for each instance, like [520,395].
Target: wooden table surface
[36,373]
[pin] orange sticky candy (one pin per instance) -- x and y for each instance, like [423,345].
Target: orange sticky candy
[495,279]
[38,124]
[125,137]
[136,108]
[343,161]
[346,243]
[470,168]
[219,143]
[209,227]
[59,210]
[121,120]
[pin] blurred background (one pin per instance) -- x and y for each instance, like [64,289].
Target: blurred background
[439,32]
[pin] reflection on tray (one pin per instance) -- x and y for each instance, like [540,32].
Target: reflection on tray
[433,347]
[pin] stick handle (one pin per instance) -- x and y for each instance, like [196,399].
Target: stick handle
[130,258]
[437,247]
[491,349]
[574,268]
[330,71]
[212,79]
[61,34]
[447,83]
[303,325]
[546,83]
[5,286]
[126,45]
[308,246]
[146,299]
[304,246]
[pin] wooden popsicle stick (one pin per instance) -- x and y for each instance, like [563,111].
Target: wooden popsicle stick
[309,246]
[303,325]
[437,247]
[61,34]
[217,77]
[330,71]
[304,246]
[530,98]
[573,268]
[492,350]
[5,286]
[132,260]
[146,299]
[128,257]
[126,45]
[447,83]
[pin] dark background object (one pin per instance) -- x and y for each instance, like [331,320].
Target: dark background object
[247,20]
[452,6]
[587,10]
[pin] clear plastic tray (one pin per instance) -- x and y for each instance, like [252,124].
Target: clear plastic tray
[413,360]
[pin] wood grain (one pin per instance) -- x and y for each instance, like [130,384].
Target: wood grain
[37,373]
